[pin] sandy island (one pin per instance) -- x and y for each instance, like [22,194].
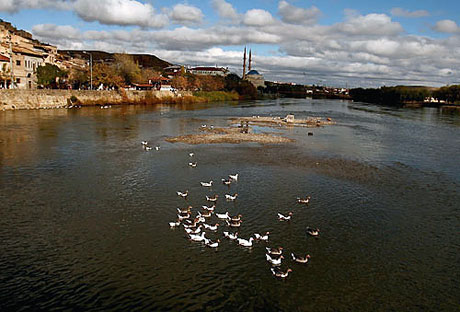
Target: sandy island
[243,133]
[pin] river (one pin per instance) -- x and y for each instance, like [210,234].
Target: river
[84,210]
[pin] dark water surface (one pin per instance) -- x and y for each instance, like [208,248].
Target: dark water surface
[84,210]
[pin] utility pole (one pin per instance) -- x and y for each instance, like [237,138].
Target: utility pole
[90,69]
[11,60]
[244,63]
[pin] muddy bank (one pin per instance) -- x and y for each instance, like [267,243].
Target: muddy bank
[288,121]
[230,135]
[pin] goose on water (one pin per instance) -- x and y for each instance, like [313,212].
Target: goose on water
[236,218]
[212,244]
[274,261]
[192,164]
[282,217]
[231,197]
[222,215]
[313,232]
[274,251]
[212,199]
[211,227]
[209,208]
[174,224]
[183,195]
[198,238]
[279,273]
[234,224]
[303,200]
[262,237]
[231,236]
[300,259]
[234,177]
[206,184]
[245,242]
[193,230]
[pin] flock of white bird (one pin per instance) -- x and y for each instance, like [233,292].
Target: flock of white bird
[197,226]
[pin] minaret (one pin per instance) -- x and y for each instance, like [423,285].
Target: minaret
[244,63]
[250,59]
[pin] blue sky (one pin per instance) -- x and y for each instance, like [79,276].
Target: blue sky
[338,42]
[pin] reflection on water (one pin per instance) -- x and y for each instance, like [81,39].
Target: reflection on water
[84,210]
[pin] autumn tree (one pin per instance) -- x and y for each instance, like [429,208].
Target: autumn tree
[78,77]
[106,75]
[180,83]
[126,68]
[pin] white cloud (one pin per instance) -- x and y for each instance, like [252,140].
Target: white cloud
[447,26]
[295,15]
[371,24]
[13,6]
[186,14]
[257,17]
[55,31]
[119,12]
[225,9]
[400,12]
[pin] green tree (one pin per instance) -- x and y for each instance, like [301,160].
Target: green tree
[49,75]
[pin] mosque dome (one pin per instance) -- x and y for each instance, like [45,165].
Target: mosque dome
[253,72]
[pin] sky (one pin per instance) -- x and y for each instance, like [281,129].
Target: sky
[355,43]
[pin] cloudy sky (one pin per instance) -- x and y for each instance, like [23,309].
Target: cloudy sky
[330,42]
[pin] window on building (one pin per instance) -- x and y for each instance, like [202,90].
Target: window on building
[18,80]
[18,63]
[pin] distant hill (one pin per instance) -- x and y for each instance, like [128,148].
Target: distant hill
[144,60]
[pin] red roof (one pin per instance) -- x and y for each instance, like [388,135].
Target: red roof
[208,68]
[4,58]
[159,78]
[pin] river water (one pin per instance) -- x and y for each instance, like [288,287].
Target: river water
[84,210]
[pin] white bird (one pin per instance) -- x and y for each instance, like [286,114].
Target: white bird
[300,259]
[212,244]
[274,251]
[191,154]
[278,273]
[274,261]
[212,199]
[231,197]
[193,231]
[206,184]
[244,242]
[192,164]
[184,195]
[236,218]
[203,126]
[227,182]
[313,232]
[174,224]
[186,210]
[234,223]
[209,208]
[198,238]
[234,177]
[148,148]
[181,216]
[157,148]
[262,237]
[205,214]
[283,217]
[222,215]
[211,227]
[144,142]
[231,236]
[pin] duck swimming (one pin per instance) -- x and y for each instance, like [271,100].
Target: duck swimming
[192,164]
[174,224]
[262,237]
[222,215]
[183,195]
[211,227]
[212,199]
[236,218]
[227,182]
[183,216]
[285,218]
[244,242]
[313,232]
[234,177]
[234,224]
[212,244]
[275,251]
[274,261]
[193,230]
[279,273]
[198,238]
[231,236]
[209,208]
[303,200]
[206,184]
[231,197]
[300,259]
[184,211]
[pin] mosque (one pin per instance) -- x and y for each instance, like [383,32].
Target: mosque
[253,76]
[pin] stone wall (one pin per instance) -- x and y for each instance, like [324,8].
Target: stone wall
[35,99]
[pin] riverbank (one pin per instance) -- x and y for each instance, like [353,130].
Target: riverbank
[48,99]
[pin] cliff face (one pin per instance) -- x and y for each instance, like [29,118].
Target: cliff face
[144,60]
